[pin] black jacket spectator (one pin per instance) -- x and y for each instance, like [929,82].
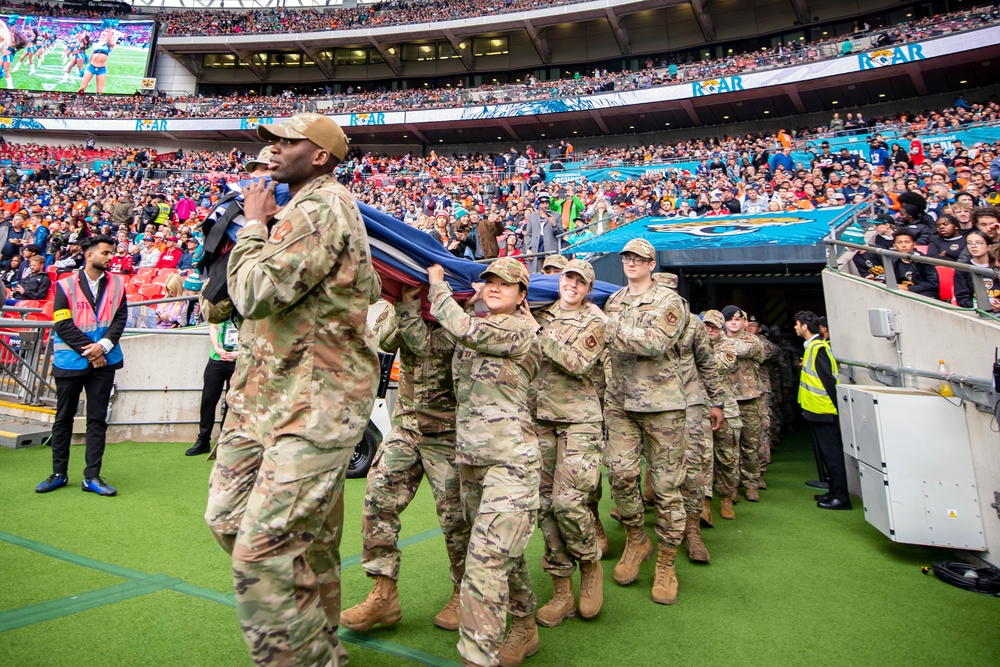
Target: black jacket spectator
[36,286]
[917,278]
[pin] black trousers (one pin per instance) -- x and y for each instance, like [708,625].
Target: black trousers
[97,383]
[217,374]
[827,438]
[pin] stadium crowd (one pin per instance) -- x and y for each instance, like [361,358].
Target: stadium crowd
[397,12]
[485,205]
[656,72]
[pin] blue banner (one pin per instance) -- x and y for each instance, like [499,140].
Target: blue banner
[856,144]
[793,228]
[620,174]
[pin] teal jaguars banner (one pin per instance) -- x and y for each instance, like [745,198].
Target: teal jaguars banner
[791,237]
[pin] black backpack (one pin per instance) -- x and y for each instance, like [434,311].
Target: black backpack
[217,247]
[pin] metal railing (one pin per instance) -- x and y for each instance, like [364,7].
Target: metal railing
[26,353]
[977,273]
[978,391]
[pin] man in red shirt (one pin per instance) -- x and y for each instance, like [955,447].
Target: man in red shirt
[170,257]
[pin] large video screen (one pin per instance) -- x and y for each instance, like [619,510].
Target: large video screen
[74,55]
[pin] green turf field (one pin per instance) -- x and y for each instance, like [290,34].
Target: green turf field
[138,580]
[126,69]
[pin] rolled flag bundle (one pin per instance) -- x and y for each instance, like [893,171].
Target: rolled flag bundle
[401,255]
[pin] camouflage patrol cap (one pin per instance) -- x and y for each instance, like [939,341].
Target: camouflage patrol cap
[557,261]
[714,318]
[262,160]
[508,270]
[667,278]
[317,128]
[640,247]
[582,268]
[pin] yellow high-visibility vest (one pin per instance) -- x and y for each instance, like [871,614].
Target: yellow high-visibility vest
[812,394]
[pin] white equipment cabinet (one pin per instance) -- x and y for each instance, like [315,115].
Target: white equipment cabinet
[918,484]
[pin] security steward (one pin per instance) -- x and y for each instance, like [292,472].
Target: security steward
[89,315]
[817,387]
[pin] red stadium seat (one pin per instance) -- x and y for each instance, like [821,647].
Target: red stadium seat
[147,271]
[167,272]
[160,279]
[131,288]
[140,280]
[153,291]
[946,282]
[63,275]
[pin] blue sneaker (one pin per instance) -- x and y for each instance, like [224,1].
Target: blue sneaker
[54,482]
[98,486]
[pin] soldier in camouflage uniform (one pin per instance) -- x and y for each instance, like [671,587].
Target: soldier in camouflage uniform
[553,265]
[568,424]
[725,440]
[303,274]
[790,364]
[498,458]
[753,327]
[703,392]
[237,456]
[422,442]
[781,380]
[645,403]
[749,353]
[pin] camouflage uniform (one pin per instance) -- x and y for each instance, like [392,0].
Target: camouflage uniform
[726,440]
[422,442]
[497,452]
[310,385]
[568,424]
[702,389]
[781,385]
[766,417]
[791,360]
[599,376]
[747,350]
[645,403]
[237,456]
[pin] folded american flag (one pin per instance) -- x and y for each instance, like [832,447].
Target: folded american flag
[401,255]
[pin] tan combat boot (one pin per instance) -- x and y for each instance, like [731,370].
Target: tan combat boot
[638,548]
[381,606]
[753,495]
[706,513]
[521,642]
[561,606]
[692,534]
[726,511]
[762,485]
[591,588]
[447,618]
[665,580]
[602,537]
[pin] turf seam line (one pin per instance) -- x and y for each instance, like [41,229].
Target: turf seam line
[153,583]
[74,604]
[70,557]
[392,648]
